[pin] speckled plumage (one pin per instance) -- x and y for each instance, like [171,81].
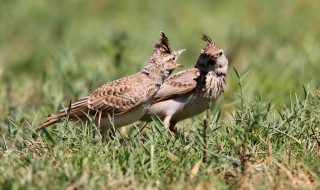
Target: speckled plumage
[127,99]
[188,92]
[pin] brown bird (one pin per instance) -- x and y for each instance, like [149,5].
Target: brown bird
[188,92]
[126,100]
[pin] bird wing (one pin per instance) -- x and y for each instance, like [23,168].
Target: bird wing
[115,97]
[178,84]
[119,96]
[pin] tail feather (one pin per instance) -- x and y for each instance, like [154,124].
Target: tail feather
[48,123]
[77,110]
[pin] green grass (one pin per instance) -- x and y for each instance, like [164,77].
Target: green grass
[263,133]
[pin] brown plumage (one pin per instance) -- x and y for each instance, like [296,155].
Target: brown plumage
[188,92]
[127,99]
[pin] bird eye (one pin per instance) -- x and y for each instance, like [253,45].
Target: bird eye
[174,58]
[220,53]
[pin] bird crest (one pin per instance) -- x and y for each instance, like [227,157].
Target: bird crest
[163,45]
[210,43]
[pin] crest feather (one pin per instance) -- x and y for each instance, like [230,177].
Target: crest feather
[210,42]
[163,45]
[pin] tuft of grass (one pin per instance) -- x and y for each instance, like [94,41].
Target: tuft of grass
[260,147]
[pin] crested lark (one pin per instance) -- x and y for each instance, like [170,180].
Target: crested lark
[125,100]
[188,92]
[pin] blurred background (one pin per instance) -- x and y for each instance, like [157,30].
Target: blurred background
[52,52]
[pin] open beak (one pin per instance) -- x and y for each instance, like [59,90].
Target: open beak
[180,51]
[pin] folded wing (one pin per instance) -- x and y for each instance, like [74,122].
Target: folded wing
[178,84]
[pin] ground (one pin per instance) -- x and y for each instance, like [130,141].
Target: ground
[263,133]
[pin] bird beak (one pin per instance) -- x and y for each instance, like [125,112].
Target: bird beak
[180,51]
[178,65]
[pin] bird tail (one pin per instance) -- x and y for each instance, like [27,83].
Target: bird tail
[77,110]
[47,123]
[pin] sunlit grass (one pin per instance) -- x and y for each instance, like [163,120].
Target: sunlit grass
[54,52]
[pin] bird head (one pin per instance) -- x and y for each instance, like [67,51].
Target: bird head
[212,58]
[164,56]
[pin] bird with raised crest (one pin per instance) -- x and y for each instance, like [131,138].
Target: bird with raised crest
[190,91]
[126,100]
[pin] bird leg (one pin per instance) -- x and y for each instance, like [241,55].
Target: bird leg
[172,127]
[169,125]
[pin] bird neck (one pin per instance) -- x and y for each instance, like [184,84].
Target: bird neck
[202,70]
[155,72]
[213,84]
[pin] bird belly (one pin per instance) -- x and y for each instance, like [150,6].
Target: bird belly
[179,108]
[164,108]
[193,106]
[116,121]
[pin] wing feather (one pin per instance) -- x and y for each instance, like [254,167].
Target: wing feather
[178,84]
[115,97]
[118,96]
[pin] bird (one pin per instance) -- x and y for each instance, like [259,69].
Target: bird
[123,101]
[189,92]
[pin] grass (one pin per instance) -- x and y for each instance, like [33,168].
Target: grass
[263,133]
